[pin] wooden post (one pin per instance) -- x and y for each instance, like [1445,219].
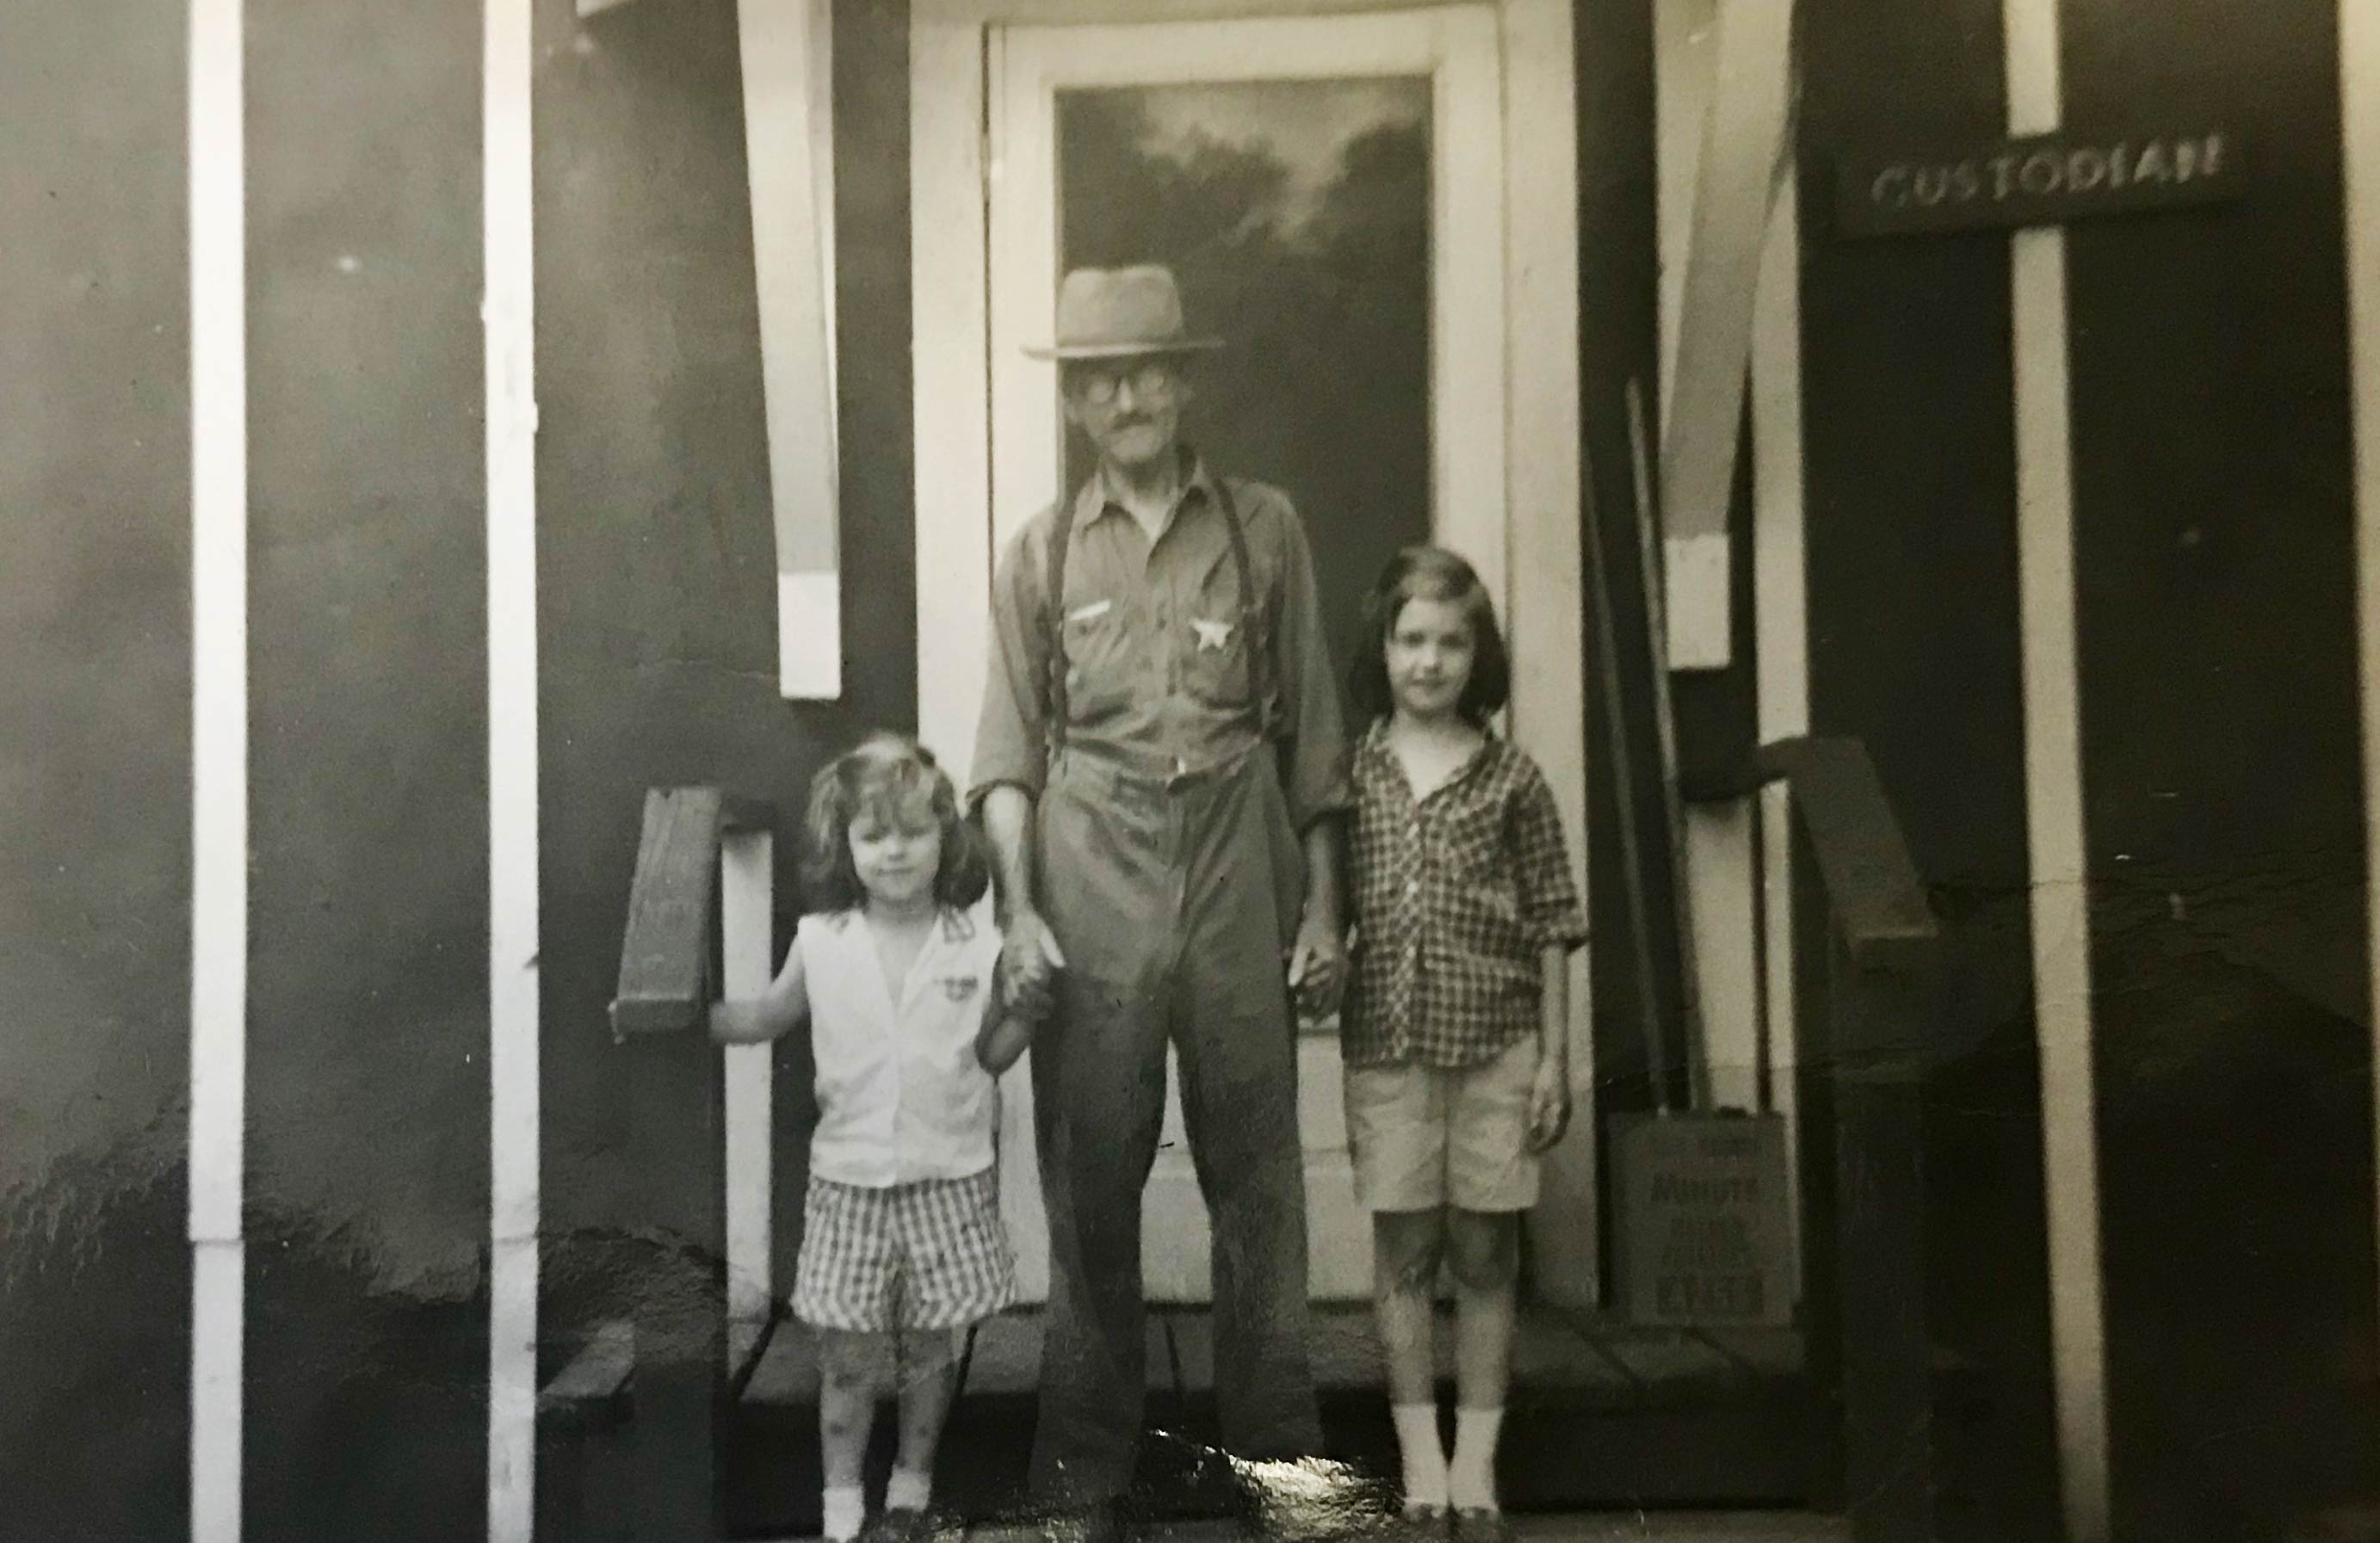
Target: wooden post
[1863,1174]
[678,1388]
[1821,1314]
[678,1393]
[1879,1020]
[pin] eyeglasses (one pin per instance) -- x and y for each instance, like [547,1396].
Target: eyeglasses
[1099,386]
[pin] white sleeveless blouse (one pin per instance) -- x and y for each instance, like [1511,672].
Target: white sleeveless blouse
[900,1095]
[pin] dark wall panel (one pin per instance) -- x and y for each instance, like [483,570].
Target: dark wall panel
[657,567]
[367,1062]
[94,772]
[2214,548]
[1915,649]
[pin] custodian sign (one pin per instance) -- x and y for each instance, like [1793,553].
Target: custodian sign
[2042,180]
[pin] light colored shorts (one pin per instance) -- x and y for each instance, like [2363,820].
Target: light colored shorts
[1428,1137]
[931,1255]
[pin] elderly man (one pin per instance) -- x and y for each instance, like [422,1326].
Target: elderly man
[1159,766]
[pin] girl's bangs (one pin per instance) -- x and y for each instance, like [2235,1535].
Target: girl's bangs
[902,796]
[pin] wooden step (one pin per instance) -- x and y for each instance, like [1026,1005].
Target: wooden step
[600,1374]
[594,1381]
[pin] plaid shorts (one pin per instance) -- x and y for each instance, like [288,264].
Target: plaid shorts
[929,1255]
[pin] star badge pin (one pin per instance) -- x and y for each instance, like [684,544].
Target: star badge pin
[1211,635]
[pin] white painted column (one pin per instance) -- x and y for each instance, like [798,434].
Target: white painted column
[218,762]
[509,312]
[2359,68]
[1780,622]
[746,932]
[2053,757]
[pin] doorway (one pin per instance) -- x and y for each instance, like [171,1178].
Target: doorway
[1336,193]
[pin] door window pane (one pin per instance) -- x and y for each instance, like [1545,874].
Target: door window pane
[1296,215]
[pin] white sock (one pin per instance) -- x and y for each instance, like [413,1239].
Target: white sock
[1471,1477]
[909,1489]
[1425,1460]
[845,1509]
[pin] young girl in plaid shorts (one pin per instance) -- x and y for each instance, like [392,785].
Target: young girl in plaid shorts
[1454,1025]
[901,1241]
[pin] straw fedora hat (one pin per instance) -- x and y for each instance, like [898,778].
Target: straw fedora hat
[1118,312]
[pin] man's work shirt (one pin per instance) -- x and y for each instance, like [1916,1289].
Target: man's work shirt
[1156,647]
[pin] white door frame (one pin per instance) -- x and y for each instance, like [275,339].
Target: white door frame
[1541,586]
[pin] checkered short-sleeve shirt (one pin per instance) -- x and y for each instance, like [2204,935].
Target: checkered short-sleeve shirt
[1455,896]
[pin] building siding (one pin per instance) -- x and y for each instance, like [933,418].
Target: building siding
[94,772]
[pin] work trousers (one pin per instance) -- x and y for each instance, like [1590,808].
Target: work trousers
[1174,900]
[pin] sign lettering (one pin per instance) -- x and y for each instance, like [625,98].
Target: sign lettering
[2042,180]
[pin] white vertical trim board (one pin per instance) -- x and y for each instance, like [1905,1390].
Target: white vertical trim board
[509,315]
[951,410]
[218,760]
[218,1338]
[1781,622]
[786,52]
[2359,66]
[1722,897]
[2061,934]
[745,934]
[1546,560]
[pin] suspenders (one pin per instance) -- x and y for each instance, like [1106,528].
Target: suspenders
[1255,635]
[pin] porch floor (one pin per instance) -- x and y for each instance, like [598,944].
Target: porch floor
[1574,1358]
[1607,1418]
[1743,1526]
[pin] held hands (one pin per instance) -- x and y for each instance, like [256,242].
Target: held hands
[1549,1103]
[1029,962]
[1318,969]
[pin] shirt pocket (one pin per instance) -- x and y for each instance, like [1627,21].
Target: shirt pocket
[1214,654]
[1098,642]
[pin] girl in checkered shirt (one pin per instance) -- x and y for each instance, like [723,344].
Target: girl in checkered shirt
[1454,1026]
[901,1241]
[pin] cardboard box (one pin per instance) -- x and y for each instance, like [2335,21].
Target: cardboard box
[1702,1223]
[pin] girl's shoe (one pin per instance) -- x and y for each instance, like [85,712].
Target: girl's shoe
[1482,1526]
[900,1525]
